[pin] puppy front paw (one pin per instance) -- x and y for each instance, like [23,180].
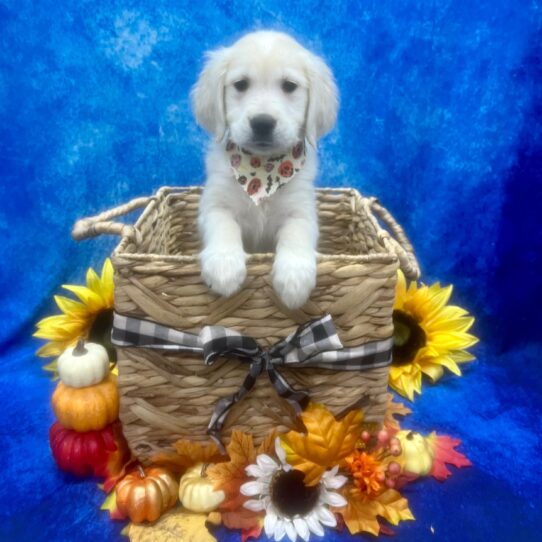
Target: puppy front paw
[223,271]
[294,278]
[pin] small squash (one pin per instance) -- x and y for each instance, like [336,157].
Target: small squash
[145,494]
[196,491]
[417,453]
[83,365]
[87,409]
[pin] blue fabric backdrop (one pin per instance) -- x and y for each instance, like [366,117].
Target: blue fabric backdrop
[441,118]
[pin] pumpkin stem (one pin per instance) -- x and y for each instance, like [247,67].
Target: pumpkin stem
[80,349]
[140,470]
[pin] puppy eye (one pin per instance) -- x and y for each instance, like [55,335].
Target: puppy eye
[288,86]
[241,85]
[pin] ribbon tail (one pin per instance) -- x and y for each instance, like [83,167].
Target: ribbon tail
[298,399]
[223,406]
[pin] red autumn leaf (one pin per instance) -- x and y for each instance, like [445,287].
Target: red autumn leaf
[241,518]
[385,530]
[445,454]
[404,479]
[111,481]
[251,534]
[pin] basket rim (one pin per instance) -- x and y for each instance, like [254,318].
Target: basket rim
[163,193]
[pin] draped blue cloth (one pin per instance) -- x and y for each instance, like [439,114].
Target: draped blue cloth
[440,118]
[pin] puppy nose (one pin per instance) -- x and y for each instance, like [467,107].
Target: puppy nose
[262,125]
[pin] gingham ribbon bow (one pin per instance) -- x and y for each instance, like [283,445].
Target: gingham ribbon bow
[313,344]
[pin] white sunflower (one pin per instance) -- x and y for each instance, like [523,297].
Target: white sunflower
[291,508]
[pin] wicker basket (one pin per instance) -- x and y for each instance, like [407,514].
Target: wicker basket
[168,396]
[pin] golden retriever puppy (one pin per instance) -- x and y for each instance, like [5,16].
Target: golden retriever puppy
[267,101]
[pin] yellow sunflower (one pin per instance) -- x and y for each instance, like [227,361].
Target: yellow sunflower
[91,317]
[429,336]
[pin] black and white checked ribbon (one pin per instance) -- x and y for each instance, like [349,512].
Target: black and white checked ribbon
[313,344]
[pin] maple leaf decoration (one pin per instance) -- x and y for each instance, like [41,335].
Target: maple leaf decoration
[229,476]
[111,481]
[187,454]
[326,443]
[394,409]
[251,534]
[445,453]
[362,512]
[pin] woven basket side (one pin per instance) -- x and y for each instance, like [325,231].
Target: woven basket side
[165,397]
[160,406]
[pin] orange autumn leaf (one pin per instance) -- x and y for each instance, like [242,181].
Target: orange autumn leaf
[197,452]
[267,445]
[187,454]
[394,409]
[361,513]
[326,443]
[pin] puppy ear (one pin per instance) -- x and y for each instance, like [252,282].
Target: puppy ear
[323,99]
[208,94]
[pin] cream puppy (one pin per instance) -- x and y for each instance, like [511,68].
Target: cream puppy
[267,101]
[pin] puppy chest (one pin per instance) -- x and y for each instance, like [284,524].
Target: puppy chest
[259,227]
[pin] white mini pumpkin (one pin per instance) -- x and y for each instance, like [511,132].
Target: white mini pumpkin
[83,365]
[196,491]
[417,452]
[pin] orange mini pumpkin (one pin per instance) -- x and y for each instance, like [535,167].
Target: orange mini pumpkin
[87,409]
[145,494]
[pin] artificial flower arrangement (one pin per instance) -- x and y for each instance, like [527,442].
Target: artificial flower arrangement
[333,474]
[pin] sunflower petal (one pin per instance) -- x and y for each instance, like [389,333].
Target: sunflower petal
[91,299]
[302,529]
[433,371]
[444,323]
[52,321]
[270,522]
[256,505]
[93,282]
[66,332]
[461,356]
[290,530]
[52,368]
[107,282]
[450,364]
[407,385]
[452,340]
[400,289]
[314,525]
[438,297]
[51,349]
[69,306]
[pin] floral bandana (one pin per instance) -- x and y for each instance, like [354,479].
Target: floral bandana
[262,176]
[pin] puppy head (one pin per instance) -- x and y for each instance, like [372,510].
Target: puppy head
[266,92]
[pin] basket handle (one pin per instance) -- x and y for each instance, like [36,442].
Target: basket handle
[92,226]
[402,246]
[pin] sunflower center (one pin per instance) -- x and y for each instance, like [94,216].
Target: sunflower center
[408,338]
[291,496]
[100,332]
